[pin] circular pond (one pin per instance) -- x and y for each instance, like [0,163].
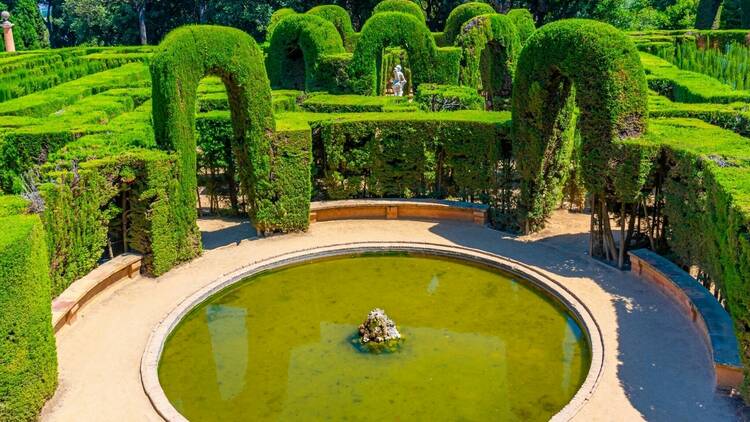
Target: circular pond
[479,344]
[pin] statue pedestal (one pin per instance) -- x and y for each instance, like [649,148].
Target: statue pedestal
[10,45]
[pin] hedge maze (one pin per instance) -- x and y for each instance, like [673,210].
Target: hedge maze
[104,150]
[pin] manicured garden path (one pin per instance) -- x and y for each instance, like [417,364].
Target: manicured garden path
[655,364]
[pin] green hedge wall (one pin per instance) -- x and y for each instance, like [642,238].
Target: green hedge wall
[524,22]
[393,29]
[300,39]
[403,6]
[433,97]
[28,360]
[418,154]
[597,68]
[340,18]
[490,47]
[460,15]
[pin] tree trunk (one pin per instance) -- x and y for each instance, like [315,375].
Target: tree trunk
[708,14]
[142,22]
[202,7]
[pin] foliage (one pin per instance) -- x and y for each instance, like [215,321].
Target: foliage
[730,65]
[272,173]
[685,86]
[460,15]
[403,6]
[29,31]
[296,50]
[432,97]
[392,29]
[490,46]
[28,361]
[524,23]
[276,17]
[340,19]
[596,68]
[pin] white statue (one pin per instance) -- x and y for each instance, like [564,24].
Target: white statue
[399,81]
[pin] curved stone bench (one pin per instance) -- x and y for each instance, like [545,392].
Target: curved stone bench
[65,306]
[702,308]
[398,208]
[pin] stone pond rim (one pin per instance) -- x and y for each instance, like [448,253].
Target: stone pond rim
[535,278]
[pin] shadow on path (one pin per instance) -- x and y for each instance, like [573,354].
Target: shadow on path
[662,387]
[217,232]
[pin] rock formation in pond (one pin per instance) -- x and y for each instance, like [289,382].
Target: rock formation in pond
[378,328]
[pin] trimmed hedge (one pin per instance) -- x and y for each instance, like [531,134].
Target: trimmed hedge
[393,29]
[28,360]
[340,18]
[296,52]
[490,47]
[524,22]
[595,67]
[688,87]
[276,17]
[432,97]
[460,15]
[403,6]
[270,169]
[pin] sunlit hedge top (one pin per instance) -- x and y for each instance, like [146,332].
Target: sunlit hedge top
[404,6]
[460,15]
[392,29]
[596,67]
[314,35]
[276,17]
[524,22]
[339,17]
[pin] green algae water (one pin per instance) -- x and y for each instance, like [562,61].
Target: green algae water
[478,345]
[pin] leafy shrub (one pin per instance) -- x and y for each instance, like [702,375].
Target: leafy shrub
[524,22]
[596,67]
[296,51]
[403,6]
[276,17]
[28,360]
[340,18]
[29,32]
[432,97]
[490,48]
[460,15]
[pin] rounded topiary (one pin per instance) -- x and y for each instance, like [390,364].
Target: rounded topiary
[524,21]
[460,15]
[296,49]
[403,6]
[340,18]
[490,47]
[183,59]
[276,17]
[597,68]
[392,29]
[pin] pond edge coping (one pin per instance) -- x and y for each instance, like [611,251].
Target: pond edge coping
[155,345]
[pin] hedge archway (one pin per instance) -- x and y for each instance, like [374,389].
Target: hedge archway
[595,67]
[340,18]
[490,48]
[276,17]
[403,6]
[392,29]
[296,49]
[460,15]
[524,21]
[184,58]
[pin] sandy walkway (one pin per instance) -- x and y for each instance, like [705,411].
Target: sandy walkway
[655,365]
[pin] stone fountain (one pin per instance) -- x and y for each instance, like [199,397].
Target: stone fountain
[379,333]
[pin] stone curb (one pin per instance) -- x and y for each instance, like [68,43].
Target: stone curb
[537,278]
